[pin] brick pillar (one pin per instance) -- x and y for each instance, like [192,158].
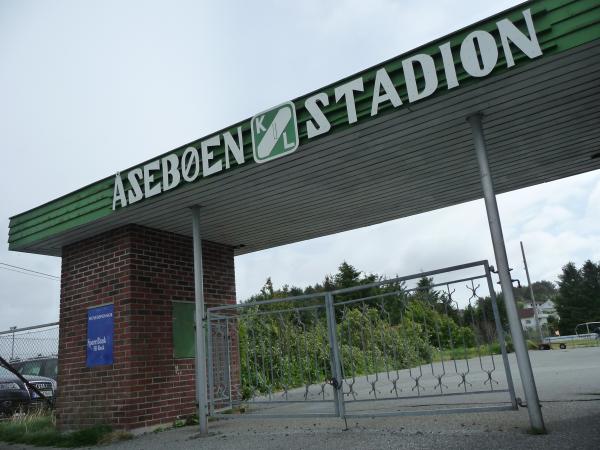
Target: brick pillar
[141,271]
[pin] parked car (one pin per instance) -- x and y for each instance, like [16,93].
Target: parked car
[45,366]
[15,395]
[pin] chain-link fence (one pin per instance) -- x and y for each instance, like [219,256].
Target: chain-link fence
[22,344]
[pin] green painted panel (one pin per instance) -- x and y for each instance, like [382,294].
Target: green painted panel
[63,226]
[93,203]
[63,203]
[184,336]
[560,26]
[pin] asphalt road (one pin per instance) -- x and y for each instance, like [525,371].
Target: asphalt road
[568,383]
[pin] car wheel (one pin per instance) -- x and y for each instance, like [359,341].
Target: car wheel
[563,346]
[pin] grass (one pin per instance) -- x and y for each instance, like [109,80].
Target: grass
[473,352]
[39,428]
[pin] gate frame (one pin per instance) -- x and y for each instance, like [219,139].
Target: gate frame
[335,358]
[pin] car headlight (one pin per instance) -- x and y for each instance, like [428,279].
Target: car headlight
[10,386]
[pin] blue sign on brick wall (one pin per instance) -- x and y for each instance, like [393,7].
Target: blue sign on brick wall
[100,336]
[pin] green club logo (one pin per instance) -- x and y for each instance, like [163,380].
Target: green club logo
[274,132]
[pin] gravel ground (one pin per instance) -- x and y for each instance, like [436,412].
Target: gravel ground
[568,383]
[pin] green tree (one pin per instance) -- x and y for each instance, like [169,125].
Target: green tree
[481,316]
[578,298]
[347,276]
[267,289]
[590,275]
[542,290]
[441,301]
[484,311]
[425,292]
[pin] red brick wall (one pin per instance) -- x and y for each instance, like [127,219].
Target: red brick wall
[141,271]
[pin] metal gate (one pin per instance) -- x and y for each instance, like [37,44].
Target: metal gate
[427,343]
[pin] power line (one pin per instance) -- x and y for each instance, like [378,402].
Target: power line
[31,274]
[25,271]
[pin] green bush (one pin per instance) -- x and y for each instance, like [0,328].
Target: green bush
[283,351]
[284,348]
[39,428]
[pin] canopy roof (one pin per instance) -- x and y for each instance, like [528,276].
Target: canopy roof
[541,119]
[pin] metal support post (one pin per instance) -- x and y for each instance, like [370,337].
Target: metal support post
[336,362]
[12,351]
[211,364]
[535,312]
[228,359]
[533,405]
[501,340]
[201,393]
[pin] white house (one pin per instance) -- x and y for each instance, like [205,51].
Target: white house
[544,310]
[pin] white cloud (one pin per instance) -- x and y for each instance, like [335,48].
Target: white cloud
[88,90]
[546,218]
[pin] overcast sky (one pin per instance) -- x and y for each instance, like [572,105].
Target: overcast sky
[88,88]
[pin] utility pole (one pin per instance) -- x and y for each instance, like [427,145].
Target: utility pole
[535,314]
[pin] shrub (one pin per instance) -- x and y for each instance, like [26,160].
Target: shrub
[39,428]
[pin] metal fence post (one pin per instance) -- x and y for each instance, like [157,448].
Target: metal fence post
[533,404]
[338,378]
[200,320]
[228,359]
[210,347]
[501,340]
[12,350]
